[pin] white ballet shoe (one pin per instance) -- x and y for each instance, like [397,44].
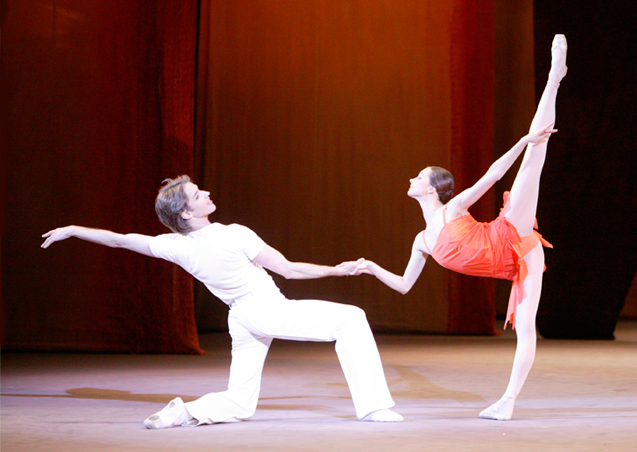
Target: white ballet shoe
[191,423]
[502,410]
[558,60]
[382,416]
[172,415]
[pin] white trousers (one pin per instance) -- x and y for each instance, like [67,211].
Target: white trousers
[259,317]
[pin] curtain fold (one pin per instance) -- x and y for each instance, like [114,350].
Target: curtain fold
[101,110]
[472,74]
[311,117]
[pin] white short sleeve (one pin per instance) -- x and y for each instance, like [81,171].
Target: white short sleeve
[166,247]
[249,242]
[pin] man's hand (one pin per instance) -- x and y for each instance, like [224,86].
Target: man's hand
[57,235]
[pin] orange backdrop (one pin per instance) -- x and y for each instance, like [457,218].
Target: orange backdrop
[311,118]
[313,115]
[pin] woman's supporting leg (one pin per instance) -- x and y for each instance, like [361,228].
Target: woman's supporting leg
[523,200]
[525,314]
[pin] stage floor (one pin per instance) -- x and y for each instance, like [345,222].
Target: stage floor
[580,396]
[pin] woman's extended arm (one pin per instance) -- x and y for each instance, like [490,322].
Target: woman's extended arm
[403,283]
[497,170]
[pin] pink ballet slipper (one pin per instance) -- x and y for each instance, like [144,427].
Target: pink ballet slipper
[502,410]
[558,61]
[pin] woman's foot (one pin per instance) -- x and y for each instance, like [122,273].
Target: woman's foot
[558,60]
[502,410]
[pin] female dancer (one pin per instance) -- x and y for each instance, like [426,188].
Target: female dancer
[507,248]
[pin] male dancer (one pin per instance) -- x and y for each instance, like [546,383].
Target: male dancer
[229,260]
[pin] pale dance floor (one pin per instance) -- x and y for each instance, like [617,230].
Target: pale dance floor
[580,395]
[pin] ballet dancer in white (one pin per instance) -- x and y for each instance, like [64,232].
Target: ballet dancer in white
[230,261]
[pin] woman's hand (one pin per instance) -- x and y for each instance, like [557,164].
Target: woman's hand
[539,135]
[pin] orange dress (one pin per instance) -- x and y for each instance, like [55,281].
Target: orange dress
[492,249]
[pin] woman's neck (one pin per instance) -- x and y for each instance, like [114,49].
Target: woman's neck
[429,209]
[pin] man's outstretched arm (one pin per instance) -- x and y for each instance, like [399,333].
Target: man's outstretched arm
[275,261]
[133,242]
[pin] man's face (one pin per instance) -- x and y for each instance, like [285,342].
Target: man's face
[199,203]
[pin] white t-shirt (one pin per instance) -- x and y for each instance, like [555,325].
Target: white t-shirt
[220,256]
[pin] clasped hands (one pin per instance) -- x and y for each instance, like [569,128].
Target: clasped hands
[354,268]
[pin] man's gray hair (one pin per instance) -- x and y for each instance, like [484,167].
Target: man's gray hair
[171,202]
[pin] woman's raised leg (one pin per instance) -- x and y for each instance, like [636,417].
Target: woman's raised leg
[521,211]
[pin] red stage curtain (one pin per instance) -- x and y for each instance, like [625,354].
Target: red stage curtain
[100,111]
[472,299]
[313,115]
[311,118]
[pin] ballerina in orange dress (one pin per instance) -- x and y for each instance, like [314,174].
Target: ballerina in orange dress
[507,248]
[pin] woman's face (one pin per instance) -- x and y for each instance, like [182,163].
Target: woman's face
[419,185]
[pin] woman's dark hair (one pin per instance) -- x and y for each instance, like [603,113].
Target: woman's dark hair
[442,181]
